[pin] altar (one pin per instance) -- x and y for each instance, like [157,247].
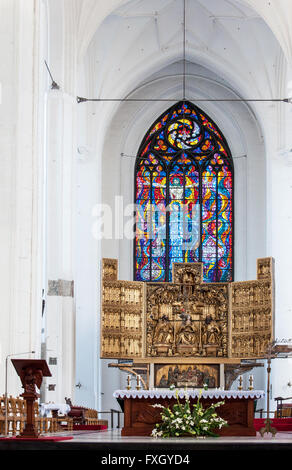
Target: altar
[140,416]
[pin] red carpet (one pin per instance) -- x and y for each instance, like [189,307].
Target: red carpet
[89,427]
[281,424]
[41,438]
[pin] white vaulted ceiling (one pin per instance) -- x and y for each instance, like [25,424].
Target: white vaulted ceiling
[140,37]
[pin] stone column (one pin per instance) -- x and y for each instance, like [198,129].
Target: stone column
[20,185]
[60,305]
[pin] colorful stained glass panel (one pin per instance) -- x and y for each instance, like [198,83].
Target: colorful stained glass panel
[184,197]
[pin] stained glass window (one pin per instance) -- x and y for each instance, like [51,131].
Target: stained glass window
[184,197]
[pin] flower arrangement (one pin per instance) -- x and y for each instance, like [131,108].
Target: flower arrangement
[184,419]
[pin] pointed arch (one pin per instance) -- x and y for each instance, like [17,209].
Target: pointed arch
[184,186]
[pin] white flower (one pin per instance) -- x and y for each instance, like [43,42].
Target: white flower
[157,405]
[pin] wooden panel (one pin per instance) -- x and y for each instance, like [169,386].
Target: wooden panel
[121,317]
[252,304]
[141,417]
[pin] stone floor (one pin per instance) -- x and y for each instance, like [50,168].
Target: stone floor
[112,440]
[99,446]
[114,436]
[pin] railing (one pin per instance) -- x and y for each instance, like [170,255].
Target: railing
[263,412]
[112,412]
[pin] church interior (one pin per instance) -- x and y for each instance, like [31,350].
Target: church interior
[146,154]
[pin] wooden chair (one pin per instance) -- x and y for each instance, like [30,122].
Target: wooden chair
[2,421]
[45,424]
[91,418]
[11,415]
[284,410]
[64,423]
[16,417]
[20,413]
[84,416]
[11,421]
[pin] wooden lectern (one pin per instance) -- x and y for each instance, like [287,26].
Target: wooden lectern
[31,373]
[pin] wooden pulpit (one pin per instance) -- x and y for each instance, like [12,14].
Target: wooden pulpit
[31,373]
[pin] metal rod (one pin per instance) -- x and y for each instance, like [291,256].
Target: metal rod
[184,52]
[198,100]
[54,85]
[49,71]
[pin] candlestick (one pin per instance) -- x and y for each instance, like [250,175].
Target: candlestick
[129,382]
[250,379]
[138,386]
[240,380]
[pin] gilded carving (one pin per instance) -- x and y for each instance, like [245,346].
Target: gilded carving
[188,317]
[187,273]
[121,315]
[186,320]
[109,269]
[265,268]
[252,313]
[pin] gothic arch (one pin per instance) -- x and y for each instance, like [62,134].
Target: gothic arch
[184,197]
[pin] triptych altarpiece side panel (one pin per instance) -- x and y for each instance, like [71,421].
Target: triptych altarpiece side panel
[186,318]
[252,306]
[122,319]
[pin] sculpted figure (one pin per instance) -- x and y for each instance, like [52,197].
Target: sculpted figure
[163,333]
[187,335]
[211,333]
[31,379]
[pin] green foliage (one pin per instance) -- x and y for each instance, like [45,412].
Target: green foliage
[184,419]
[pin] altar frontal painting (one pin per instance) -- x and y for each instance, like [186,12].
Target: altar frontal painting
[186,375]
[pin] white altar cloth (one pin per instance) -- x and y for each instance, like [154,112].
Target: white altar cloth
[46,408]
[191,393]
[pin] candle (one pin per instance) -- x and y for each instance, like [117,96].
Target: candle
[138,382]
[240,380]
[128,382]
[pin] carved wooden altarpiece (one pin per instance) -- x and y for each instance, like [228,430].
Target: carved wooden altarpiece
[187,320]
